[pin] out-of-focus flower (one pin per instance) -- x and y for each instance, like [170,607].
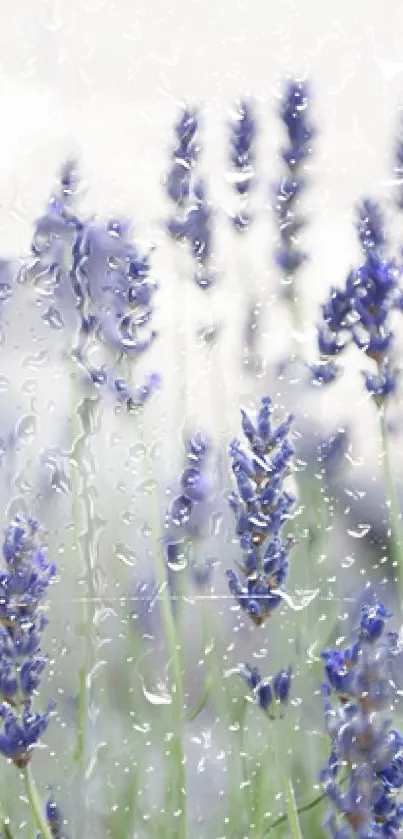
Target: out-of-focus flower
[187,513]
[294,113]
[23,585]
[242,140]
[271,695]
[331,451]
[360,312]
[364,772]
[195,228]
[184,157]
[398,166]
[96,283]
[54,819]
[371,226]
[261,507]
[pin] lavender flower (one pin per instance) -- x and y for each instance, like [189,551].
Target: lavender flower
[186,515]
[54,819]
[360,313]
[184,157]
[261,507]
[398,167]
[331,451]
[371,226]
[270,694]
[55,235]
[294,113]
[359,694]
[113,289]
[195,229]
[23,585]
[242,139]
[96,278]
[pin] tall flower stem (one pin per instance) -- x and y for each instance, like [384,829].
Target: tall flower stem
[392,503]
[290,803]
[35,803]
[177,780]
[85,629]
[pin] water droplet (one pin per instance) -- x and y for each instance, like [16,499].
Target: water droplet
[125,554]
[217,521]
[300,600]
[347,562]
[26,428]
[181,509]
[137,451]
[358,462]
[53,318]
[362,530]
[128,517]
[36,360]
[29,386]
[159,696]
[147,487]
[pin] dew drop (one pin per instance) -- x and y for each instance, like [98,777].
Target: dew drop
[362,530]
[159,696]
[125,554]
[26,428]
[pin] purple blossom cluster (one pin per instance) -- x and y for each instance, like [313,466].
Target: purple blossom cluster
[360,312]
[189,509]
[364,772]
[294,114]
[23,584]
[96,283]
[270,694]
[261,507]
[242,141]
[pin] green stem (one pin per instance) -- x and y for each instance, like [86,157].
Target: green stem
[35,803]
[177,751]
[85,627]
[290,804]
[392,503]
[304,809]
[291,807]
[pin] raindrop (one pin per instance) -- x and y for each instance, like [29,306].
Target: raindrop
[301,599]
[217,521]
[181,509]
[358,462]
[45,284]
[128,517]
[125,554]
[159,696]
[147,487]
[36,360]
[26,428]
[22,483]
[347,562]
[60,481]
[29,386]
[362,530]
[53,318]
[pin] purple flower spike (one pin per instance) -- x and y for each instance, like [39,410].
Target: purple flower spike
[359,696]
[261,507]
[22,585]
[268,692]
[242,141]
[184,157]
[287,192]
[360,312]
